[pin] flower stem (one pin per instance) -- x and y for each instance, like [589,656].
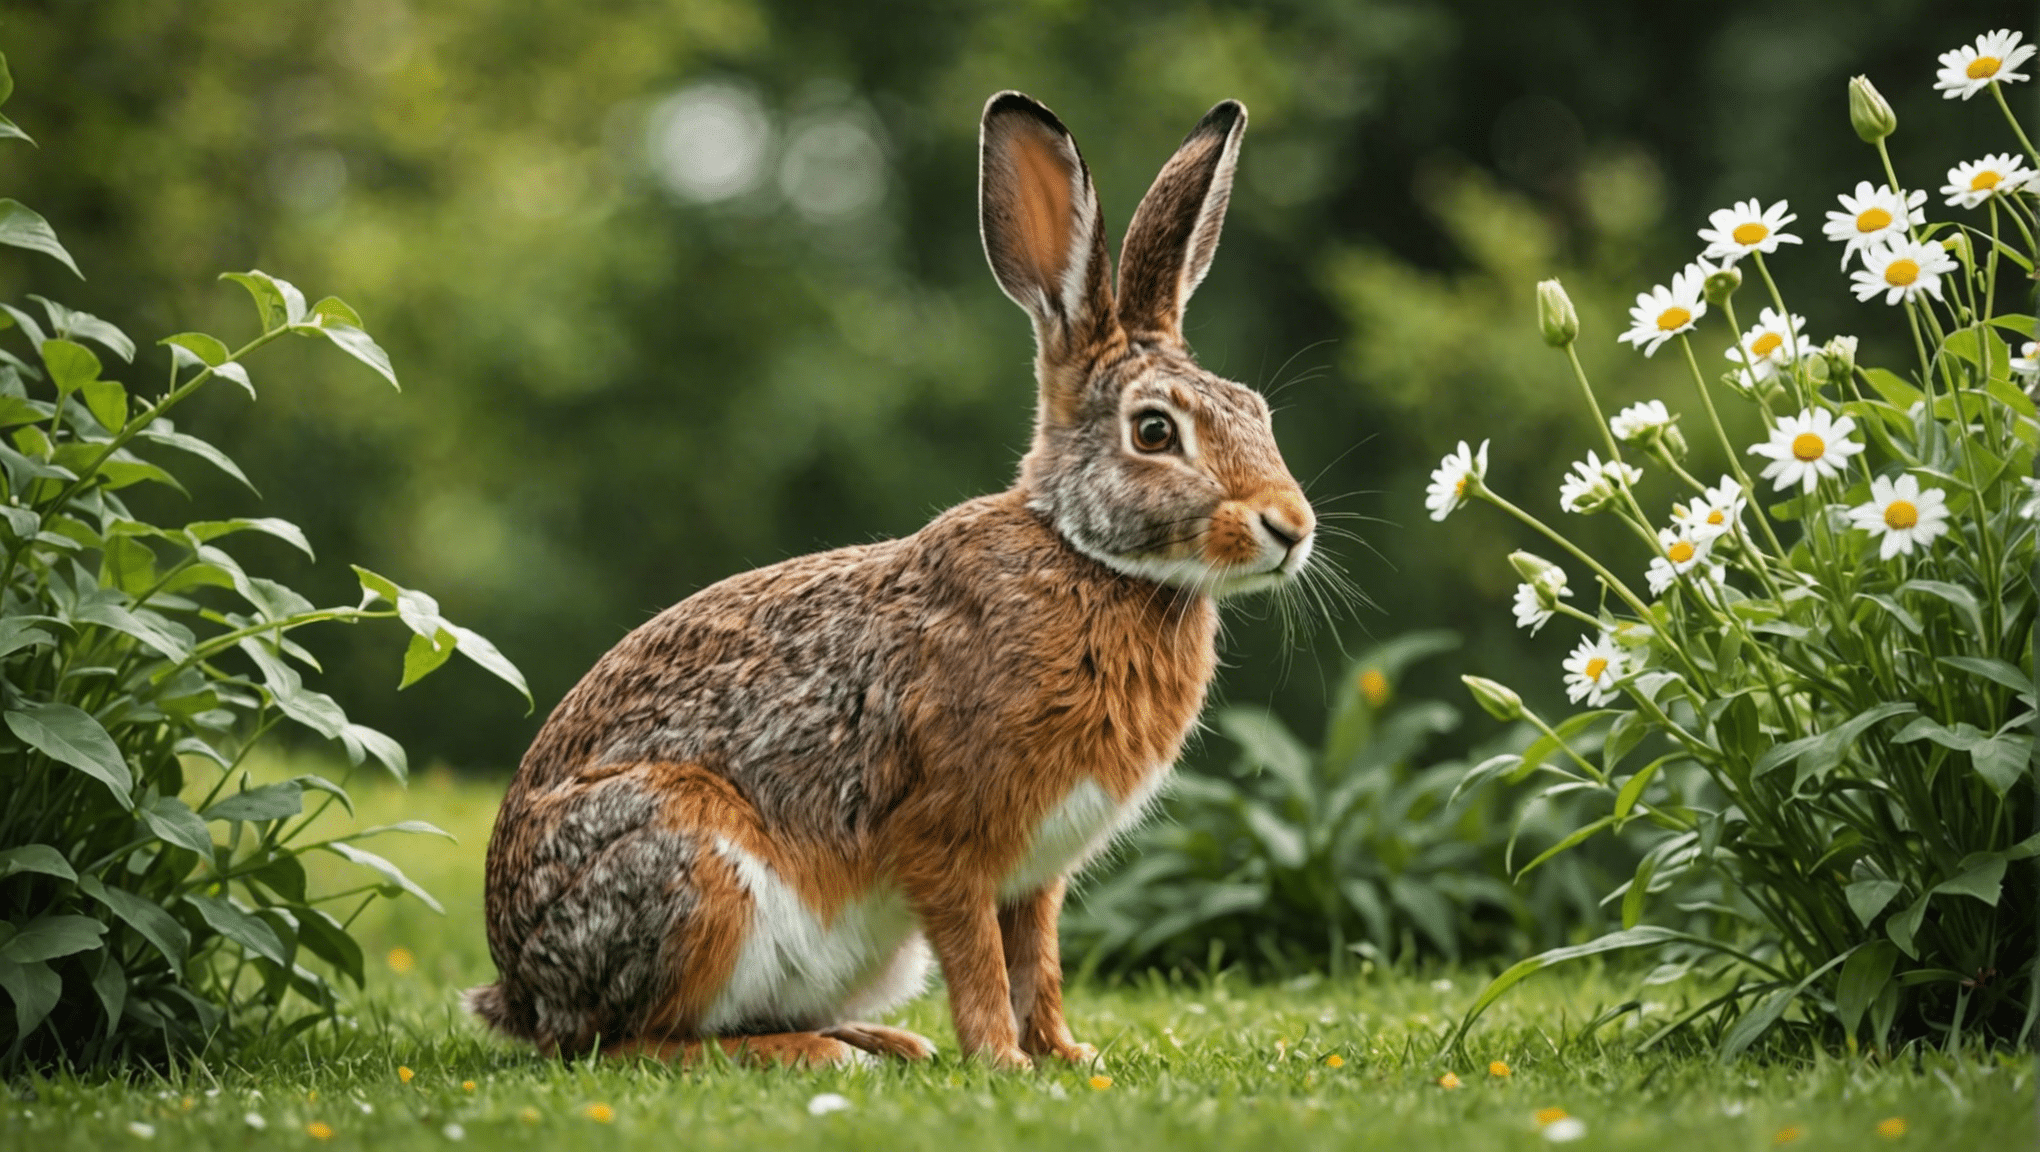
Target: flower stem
[1999,95]
[1734,462]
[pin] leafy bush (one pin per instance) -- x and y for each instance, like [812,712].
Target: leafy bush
[1825,719]
[140,665]
[1306,857]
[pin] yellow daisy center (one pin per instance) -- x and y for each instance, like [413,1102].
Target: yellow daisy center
[1594,668]
[1459,489]
[1871,219]
[1750,233]
[1901,273]
[1680,552]
[1982,68]
[1807,446]
[1715,517]
[1900,514]
[1984,181]
[1766,344]
[1374,686]
[1674,318]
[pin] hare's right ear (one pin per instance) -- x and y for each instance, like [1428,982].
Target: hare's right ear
[1039,217]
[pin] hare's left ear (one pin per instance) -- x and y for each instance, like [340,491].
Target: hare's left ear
[1174,233]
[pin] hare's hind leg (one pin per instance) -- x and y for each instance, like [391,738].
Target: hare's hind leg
[792,1049]
[883,1040]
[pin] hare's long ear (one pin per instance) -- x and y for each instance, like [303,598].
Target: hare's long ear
[1175,230]
[1039,216]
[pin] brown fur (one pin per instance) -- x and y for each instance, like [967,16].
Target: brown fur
[790,749]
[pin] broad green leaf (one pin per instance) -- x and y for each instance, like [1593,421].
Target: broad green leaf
[69,322]
[250,932]
[1429,911]
[6,81]
[199,448]
[173,820]
[70,736]
[1868,897]
[1991,668]
[284,530]
[362,347]
[315,710]
[1632,788]
[1639,890]
[325,938]
[1982,876]
[1283,841]
[1904,926]
[1907,620]
[49,936]
[1640,937]
[35,989]
[35,858]
[108,403]
[333,310]
[110,984]
[147,917]
[18,632]
[2000,760]
[1544,747]
[168,638]
[23,228]
[72,366]
[362,741]
[208,349]
[391,872]
[482,652]
[1483,772]
[1962,598]
[283,875]
[1863,977]
[1895,390]
[1759,1020]
[267,802]
[321,784]
[279,304]
[1820,753]
[424,655]
[1624,735]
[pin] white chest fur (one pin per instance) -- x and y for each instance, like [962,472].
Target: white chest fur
[1077,829]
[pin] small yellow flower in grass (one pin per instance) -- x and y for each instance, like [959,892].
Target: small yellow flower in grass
[528,1114]
[1788,1134]
[1100,1083]
[1374,686]
[400,960]
[1970,69]
[312,1097]
[1545,1116]
[1500,1069]
[1335,1061]
[404,1073]
[1745,228]
[186,1104]
[319,1130]
[1891,1127]
[467,1085]
[600,1113]
[1448,1081]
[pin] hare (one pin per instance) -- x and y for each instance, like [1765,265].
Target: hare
[753,819]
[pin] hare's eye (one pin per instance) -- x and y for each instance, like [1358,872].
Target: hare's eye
[1153,432]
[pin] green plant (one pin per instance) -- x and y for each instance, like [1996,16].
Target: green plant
[1825,719]
[1306,857]
[139,665]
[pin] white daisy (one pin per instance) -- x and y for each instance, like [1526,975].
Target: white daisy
[1804,448]
[1717,511]
[1972,182]
[1450,478]
[1747,227]
[1902,514]
[2027,363]
[1638,419]
[1592,670]
[1772,345]
[1872,216]
[1970,69]
[1535,605]
[1901,270]
[1593,483]
[1667,310]
[1679,552]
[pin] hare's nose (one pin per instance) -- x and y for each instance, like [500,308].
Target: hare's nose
[1283,533]
[1288,519]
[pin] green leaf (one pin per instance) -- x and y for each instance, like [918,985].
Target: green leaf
[72,366]
[362,742]
[1759,1020]
[2000,760]
[35,858]
[1863,977]
[479,650]
[283,875]
[390,871]
[1982,876]
[173,820]
[284,530]
[268,802]
[9,130]
[35,988]
[70,736]
[1641,937]
[23,228]
[333,310]
[1639,889]
[157,926]
[362,347]
[325,938]
[1991,668]
[250,932]
[1962,598]
[1904,926]
[208,349]
[200,449]
[1282,841]
[110,984]
[49,936]
[108,403]
[1868,897]
[1820,753]
[1577,837]
[6,81]
[69,322]
[424,655]
[1624,735]
[279,304]
[18,632]
[171,640]
[1907,620]
[1545,747]
[1632,788]
[1895,390]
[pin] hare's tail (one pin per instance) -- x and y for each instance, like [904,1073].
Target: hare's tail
[488,1003]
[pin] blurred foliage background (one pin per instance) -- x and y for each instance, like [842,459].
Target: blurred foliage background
[680,287]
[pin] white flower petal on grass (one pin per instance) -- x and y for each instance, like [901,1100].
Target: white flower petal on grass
[1593,483]
[1680,550]
[1637,419]
[826,1103]
[1972,182]
[1733,233]
[1565,1130]
[453,1132]
[254,1120]
[1901,270]
[1450,478]
[1970,69]
[1669,309]
[1592,670]
[1804,448]
[1902,514]
[2027,362]
[1775,343]
[1873,216]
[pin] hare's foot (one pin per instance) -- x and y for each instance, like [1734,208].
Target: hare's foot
[880,1040]
[792,1049]
[1072,1051]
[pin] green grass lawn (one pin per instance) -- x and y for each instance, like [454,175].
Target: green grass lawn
[1212,1064]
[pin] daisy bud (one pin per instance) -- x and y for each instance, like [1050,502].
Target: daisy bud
[1958,247]
[1871,117]
[1500,702]
[1674,441]
[1841,355]
[1530,566]
[1721,285]
[1555,315]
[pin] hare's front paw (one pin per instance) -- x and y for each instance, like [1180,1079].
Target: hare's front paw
[1006,1058]
[1072,1051]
